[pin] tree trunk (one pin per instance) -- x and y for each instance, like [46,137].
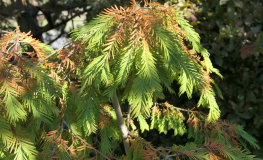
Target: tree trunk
[123,127]
[28,22]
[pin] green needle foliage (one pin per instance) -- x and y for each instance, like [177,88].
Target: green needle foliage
[57,104]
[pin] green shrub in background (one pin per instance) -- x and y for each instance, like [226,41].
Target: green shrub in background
[232,32]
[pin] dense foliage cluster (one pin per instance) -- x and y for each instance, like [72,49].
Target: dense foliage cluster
[66,103]
[231,30]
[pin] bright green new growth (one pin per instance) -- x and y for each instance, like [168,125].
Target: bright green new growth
[138,51]
[57,105]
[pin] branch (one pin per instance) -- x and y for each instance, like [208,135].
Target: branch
[13,9]
[178,154]
[128,116]
[171,106]
[123,127]
[17,7]
[57,7]
[5,13]
[51,20]
[117,144]
[3,52]
[82,140]
[49,27]
[194,150]
[158,150]
[42,60]
[61,33]
[55,144]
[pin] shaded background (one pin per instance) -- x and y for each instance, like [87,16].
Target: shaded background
[230,29]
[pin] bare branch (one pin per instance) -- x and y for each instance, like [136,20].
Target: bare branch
[82,140]
[158,150]
[118,143]
[178,154]
[63,22]
[61,34]
[55,144]
[171,106]
[13,9]
[57,7]
[42,60]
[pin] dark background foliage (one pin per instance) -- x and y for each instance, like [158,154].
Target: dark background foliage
[230,29]
[232,32]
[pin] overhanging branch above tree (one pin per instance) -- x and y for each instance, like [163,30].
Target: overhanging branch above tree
[17,7]
[58,7]
[49,27]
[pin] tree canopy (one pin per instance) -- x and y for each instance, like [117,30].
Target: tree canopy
[112,83]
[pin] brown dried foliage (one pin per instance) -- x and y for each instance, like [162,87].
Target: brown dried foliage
[13,74]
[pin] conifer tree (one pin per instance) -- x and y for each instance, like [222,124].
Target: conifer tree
[67,104]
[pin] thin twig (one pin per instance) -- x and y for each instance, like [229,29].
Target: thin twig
[3,52]
[66,76]
[160,153]
[194,150]
[53,53]
[69,156]
[158,150]
[61,34]
[97,134]
[82,140]
[118,143]
[163,149]
[171,106]
[55,144]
